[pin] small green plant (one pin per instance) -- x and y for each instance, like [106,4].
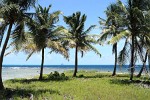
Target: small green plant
[81,76]
[57,76]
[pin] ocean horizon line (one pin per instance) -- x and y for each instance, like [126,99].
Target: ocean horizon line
[22,71]
[66,65]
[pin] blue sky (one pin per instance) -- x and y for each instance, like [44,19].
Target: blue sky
[93,9]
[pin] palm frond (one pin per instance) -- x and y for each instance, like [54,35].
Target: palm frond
[122,6]
[119,36]
[123,55]
[30,54]
[102,21]
[18,35]
[58,47]
[93,49]
[89,29]
[105,35]
[24,4]
[3,27]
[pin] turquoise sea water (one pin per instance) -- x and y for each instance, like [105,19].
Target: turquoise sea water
[23,71]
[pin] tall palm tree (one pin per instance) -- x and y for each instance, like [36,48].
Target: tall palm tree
[111,27]
[134,11]
[81,39]
[136,18]
[12,12]
[45,34]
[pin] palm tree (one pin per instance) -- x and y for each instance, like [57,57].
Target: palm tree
[45,34]
[12,12]
[134,11]
[81,40]
[136,18]
[111,27]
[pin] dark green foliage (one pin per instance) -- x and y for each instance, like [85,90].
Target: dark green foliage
[81,38]
[81,75]
[9,94]
[57,76]
[24,4]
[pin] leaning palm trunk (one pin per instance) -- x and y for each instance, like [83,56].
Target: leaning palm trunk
[76,62]
[42,63]
[144,66]
[2,55]
[114,72]
[132,59]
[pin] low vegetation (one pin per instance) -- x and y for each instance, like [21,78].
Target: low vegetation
[89,85]
[34,32]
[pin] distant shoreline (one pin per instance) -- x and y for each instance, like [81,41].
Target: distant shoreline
[25,71]
[64,65]
[32,72]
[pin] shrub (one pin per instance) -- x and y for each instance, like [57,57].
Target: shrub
[81,76]
[57,76]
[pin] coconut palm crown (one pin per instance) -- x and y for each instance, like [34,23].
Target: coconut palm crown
[81,40]
[111,26]
[44,34]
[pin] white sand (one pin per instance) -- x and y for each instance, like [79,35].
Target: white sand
[26,72]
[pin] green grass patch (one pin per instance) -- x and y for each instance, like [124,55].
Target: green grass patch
[87,86]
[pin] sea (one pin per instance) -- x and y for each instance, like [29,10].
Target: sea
[29,71]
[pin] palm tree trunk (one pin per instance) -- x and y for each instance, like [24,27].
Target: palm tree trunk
[2,55]
[42,63]
[140,73]
[144,65]
[132,59]
[149,62]
[76,62]
[114,72]
[2,35]
[143,68]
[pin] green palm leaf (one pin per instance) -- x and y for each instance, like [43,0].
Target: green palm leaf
[119,36]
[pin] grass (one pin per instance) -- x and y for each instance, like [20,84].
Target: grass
[87,86]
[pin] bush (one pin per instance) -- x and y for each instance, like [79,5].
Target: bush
[81,76]
[57,76]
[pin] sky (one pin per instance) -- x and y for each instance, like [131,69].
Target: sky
[93,9]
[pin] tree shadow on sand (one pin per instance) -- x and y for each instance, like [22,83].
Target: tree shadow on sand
[27,92]
[27,81]
[24,93]
[101,75]
[94,76]
[145,84]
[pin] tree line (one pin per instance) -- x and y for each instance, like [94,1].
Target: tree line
[34,32]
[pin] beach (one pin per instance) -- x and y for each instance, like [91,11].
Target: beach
[30,71]
[25,72]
